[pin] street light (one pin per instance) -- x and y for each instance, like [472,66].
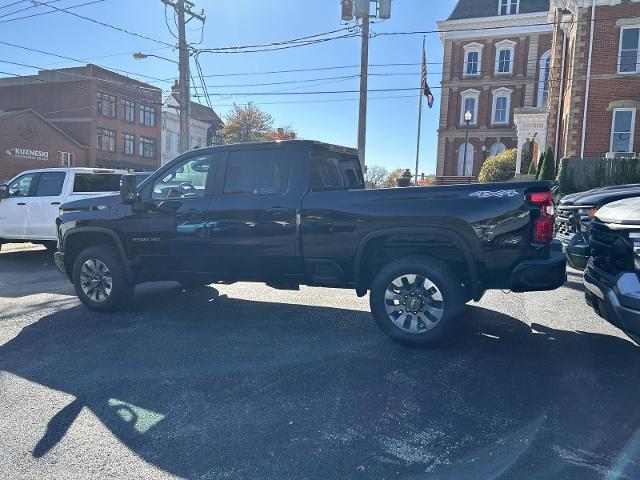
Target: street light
[141,56]
[484,152]
[467,120]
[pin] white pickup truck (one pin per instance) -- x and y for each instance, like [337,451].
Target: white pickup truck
[30,202]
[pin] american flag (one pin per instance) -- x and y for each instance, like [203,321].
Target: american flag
[426,91]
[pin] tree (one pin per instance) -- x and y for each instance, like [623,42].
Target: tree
[375,176]
[392,179]
[547,170]
[533,167]
[499,168]
[247,123]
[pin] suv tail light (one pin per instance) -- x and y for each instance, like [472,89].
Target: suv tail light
[543,225]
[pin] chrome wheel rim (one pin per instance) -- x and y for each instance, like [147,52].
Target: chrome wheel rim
[95,280]
[414,303]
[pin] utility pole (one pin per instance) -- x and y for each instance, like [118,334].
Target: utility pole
[183,8]
[364,86]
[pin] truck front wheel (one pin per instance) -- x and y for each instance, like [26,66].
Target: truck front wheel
[100,280]
[415,301]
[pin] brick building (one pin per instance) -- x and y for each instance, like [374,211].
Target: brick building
[117,117]
[496,60]
[594,98]
[28,140]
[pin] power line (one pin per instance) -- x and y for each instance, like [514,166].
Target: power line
[46,13]
[104,24]
[12,4]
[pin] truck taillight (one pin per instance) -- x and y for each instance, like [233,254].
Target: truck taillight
[543,230]
[543,225]
[544,200]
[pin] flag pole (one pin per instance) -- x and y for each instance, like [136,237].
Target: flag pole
[419,117]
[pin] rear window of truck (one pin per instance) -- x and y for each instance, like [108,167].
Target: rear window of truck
[330,170]
[96,182]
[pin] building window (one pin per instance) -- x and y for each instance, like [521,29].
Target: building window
[129,111]
[128,144]
[465,169]
[504,56]
[622,130]
[508,7]
[501,106]
[543,79]
[629,56]
[469,104]
[472,58]
[66,159]
[497,149]
[147,116]
[106,140]
[168,142]
[106,104]
[147,147]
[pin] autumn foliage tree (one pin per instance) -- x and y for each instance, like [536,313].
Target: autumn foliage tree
[249,123]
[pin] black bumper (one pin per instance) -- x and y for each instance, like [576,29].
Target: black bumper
[576,249]
[616,298]
[540,275]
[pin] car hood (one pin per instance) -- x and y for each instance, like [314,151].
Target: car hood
[93,203]
[622,212]
[601,195]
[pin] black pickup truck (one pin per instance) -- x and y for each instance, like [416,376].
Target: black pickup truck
[297,212]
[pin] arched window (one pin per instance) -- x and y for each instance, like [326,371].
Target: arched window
[496,149]
[543,79]
[465,169]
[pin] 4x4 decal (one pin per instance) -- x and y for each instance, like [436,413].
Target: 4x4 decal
[497,193]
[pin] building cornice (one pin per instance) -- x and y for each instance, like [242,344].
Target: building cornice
[504,25]
[574,5]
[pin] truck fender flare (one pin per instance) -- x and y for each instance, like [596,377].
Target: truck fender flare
[431,232]
[116,240]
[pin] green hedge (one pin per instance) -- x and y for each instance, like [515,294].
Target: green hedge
[499,168]
[578,174]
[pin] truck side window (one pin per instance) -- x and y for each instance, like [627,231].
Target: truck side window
[50,184]
[255,173]
[185,180]
[20,186]
[334,171]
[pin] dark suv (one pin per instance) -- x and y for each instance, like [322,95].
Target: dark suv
[574,216]
[296,212]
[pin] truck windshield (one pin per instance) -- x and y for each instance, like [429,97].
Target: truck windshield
[331,170]
[96,182]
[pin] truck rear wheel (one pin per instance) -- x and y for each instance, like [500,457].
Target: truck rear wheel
[415,301]
[100,280]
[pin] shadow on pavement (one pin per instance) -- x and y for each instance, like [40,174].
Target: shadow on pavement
[206,386]
[30,272]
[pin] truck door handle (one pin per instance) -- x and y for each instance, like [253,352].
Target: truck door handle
[55,203]
[22,204]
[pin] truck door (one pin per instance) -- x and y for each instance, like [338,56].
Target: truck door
[169,233]
[13,210]
[252,219]
[43,206]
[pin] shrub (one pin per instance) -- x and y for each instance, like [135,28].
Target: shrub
[578,174]
[533,166]
[547,170]
[499,168]
[527,160]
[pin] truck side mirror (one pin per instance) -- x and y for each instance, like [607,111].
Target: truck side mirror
[4,191]
[129,188]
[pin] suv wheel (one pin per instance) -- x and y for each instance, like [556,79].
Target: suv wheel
[415,301]
[100,281]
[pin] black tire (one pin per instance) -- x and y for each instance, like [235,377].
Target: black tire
[121,288]
[445,281]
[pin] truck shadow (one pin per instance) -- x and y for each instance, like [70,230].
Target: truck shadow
[30,272]
[206,386]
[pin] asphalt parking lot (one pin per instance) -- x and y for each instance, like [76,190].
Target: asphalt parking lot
[248,382]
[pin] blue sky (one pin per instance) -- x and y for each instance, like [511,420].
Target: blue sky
[392,122]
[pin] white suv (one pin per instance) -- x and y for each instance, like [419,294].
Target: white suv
[30,202]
